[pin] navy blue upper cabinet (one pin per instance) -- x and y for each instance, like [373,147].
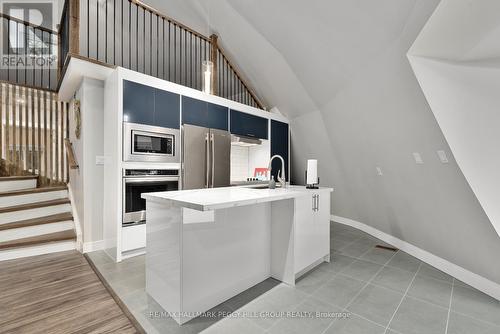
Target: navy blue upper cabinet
[138,103]
[167,109]
[244,124]
[147,105]
[279,145]
[202,113]
[217,116]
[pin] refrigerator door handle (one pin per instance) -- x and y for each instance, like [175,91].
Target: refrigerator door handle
[207,158]
[213,157]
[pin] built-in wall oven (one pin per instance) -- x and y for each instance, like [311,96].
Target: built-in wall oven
[145,143]
[138,181]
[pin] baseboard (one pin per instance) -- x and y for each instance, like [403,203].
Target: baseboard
[482,284]
[93,246]
[76,220]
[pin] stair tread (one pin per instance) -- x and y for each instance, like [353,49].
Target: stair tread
[35,205]
[37,221]
[39,239]
[32,191]
[18,177]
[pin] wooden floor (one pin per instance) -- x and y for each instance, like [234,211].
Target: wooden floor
[57,293]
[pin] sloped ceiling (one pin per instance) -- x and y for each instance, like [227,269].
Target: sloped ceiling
[338,69]
[460,78]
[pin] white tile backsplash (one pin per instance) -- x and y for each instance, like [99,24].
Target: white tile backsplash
[244,160]
[239,163]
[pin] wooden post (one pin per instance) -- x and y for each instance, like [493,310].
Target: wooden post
[213,58]
[74,27]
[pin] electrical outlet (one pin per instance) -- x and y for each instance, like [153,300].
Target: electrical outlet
[442,156]
[379,171]
[418,158]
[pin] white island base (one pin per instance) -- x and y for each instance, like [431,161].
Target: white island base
[206,246]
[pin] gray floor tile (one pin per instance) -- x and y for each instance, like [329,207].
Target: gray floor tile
[232,325]
[475,304]
[281,298]
[431,290]
[346,236]
[99,257]
[338,244]
[475,312]
[394,278]
[362,270]
[248,295]
[461,324]
[378,255]
[429,271]
[339,291]
[357,248]
[314,279]
[354,325]
[418,317]
[310,322]
[129,284]
[376,304]
[338,262]
[136,300]
[404,261]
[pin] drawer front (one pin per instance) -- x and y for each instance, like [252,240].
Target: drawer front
[133,237]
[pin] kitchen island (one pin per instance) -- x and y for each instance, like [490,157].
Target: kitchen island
[205,246]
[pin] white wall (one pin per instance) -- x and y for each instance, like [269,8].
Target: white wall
[460,78]
[87,181]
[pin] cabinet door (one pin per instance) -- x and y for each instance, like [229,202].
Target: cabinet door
[194,112]
[138,103]
[217,117]
[312,229]
[279,145]
[167,109]
[244,124]
[305,237]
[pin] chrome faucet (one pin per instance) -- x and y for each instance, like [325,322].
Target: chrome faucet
[282,178]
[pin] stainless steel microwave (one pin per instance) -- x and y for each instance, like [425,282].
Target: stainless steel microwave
[148,143]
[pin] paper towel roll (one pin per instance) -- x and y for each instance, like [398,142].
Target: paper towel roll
[312,171]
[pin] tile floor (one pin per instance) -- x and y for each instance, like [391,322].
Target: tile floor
[362,290]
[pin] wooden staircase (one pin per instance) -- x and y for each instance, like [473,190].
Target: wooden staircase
[33,220]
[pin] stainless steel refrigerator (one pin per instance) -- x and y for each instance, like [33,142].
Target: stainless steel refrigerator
[205,157]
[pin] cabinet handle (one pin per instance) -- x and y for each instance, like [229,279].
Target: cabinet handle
[317,202]
[207,158]
[213,158]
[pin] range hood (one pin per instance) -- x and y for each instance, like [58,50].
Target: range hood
[238,140]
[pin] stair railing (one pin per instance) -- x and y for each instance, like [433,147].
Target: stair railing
[33,126]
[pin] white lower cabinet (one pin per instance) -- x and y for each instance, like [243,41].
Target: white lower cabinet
[133,237]
[312,229]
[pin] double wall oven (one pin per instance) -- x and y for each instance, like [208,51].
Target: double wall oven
[144,145]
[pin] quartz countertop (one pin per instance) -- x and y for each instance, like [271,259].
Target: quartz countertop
[226,197]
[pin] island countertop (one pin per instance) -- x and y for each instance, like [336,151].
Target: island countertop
[227,197]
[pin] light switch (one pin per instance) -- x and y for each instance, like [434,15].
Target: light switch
[379,171]
[100,160]
[442,156]
[418,158]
